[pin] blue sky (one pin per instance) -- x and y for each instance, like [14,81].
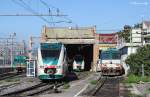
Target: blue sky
[105,14]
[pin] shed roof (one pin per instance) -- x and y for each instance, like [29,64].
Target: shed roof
[70,32]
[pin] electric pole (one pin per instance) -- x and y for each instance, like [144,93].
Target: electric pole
[12,51]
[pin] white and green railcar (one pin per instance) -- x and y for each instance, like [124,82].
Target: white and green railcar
[51,62]
[78,63]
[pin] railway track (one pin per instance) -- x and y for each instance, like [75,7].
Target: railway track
[101,81]
[32,91]
[47,88]
[105,87]
[38,90]
[10,75]
[108,88]
[23,90]
[7,86]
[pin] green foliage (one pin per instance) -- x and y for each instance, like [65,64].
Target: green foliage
[93,82]
[138,25]
[132,79]
[135,79]
[142,56]
[147,91]
[66,86]
[125,33]
[134,95]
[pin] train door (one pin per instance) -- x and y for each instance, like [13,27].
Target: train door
[31,68]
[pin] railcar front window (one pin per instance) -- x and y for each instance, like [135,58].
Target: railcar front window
[78,58]
[50,53]
[50,56]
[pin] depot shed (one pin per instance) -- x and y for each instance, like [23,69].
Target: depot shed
[77,40]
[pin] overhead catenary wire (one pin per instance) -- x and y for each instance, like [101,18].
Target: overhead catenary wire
[57,10]
[35,12]
[25,6]
[49,9]
[28,8]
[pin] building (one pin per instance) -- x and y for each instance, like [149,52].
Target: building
[77,40]
[138,37]
[83,40]
[146,32]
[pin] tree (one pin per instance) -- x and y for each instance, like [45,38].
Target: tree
[138,25]
[125,33]
[142,56]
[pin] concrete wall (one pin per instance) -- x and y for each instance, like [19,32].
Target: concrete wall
[124,56]
[125,66]
[95,56]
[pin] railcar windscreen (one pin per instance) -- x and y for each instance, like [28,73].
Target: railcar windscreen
[50,56]
[78,58]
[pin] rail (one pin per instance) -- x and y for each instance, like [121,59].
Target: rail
[33,90]
[100,83]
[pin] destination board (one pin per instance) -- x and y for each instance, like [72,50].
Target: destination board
[51,46]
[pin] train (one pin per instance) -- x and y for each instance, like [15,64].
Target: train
[52,61]
[19,63]
[110,62]
[78,63]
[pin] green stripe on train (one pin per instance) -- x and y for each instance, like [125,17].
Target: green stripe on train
[44,77]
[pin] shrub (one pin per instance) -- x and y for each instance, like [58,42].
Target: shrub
[93,82]
[66,86]
[135,79]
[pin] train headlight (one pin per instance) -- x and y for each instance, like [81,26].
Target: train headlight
[103,65]
[50,70]
[117,64]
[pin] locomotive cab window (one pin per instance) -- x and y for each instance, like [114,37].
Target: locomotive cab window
[104,55]
[116,55]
